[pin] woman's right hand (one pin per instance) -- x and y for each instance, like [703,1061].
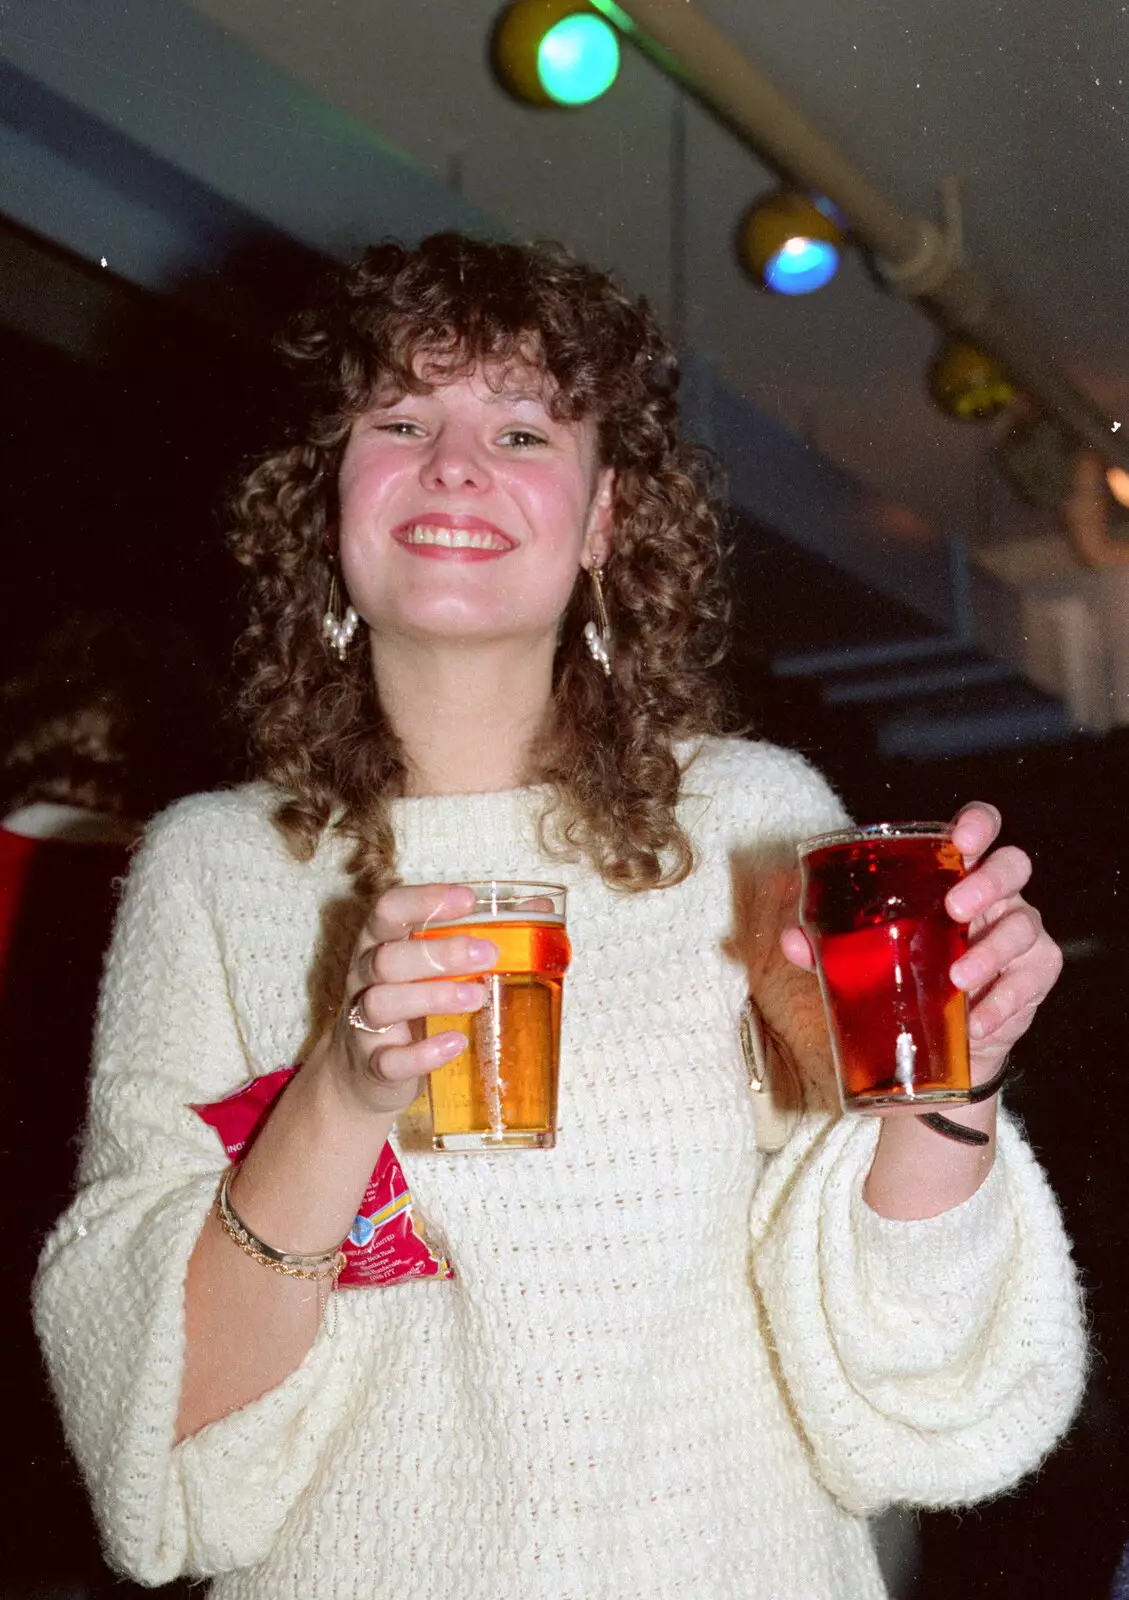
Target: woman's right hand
[301,1182]
[396,981]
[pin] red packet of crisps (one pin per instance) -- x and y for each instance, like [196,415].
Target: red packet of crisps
[385,1244]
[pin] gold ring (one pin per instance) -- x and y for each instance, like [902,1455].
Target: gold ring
[356,1020]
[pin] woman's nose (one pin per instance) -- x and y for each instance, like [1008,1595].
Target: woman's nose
[455,461]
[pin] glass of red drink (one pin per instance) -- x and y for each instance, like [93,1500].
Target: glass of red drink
[872,905]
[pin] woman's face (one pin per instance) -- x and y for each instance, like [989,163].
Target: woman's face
[466,512]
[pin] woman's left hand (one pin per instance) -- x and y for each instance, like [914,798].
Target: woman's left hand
[1012,962]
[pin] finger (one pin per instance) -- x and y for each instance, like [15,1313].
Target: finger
[537,902]
[1002,1011]
[408,960]
[397,911]
[397,1064]
[382,1005]
[1005,873]
[975,827]
[1009,1004]
[1012,937]
[797,947]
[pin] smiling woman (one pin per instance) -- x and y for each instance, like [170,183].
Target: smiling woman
[661,1353]
[466,477]
[524,390]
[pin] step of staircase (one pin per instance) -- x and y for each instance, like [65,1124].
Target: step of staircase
[958,702]
[888,681]
[998,716]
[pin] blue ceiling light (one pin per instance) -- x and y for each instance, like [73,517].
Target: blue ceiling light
[801,266]
[792,243]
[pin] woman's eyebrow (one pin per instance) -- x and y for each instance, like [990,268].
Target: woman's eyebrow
[499,397]
[518,394]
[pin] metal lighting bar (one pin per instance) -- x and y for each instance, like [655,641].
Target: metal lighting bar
[915,257]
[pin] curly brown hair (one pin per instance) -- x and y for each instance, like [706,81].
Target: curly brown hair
[607,753]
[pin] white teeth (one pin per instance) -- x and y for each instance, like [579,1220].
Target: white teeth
[455,538]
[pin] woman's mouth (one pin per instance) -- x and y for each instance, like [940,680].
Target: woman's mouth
[444,540]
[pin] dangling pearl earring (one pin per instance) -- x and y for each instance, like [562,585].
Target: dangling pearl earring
[598,634]
[338,633]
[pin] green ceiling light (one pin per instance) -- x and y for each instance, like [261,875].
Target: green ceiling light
[578,60]
[969,384]
[555,52]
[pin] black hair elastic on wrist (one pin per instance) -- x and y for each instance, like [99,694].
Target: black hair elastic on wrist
[957,1130]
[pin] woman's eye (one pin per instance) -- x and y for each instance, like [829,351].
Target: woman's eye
[399,429]
[521,438]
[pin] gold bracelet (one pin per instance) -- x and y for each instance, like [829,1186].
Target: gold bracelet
[316,1267]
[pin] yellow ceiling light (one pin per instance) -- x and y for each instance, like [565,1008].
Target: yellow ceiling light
[555,52]
[792,242]
[968,383]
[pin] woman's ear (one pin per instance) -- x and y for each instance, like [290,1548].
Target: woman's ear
[601,513]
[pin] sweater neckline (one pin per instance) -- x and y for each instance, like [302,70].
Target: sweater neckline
[491,832]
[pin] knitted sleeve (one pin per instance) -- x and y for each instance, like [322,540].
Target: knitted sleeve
[109,1298]
[932,1362]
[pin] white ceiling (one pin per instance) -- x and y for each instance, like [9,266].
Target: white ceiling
[1023,100]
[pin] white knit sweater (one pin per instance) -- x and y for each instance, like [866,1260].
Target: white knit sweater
[669,1365]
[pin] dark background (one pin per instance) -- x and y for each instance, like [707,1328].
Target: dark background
[115,478]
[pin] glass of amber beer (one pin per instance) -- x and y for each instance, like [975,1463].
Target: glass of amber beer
[500,1093]
[872,905]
